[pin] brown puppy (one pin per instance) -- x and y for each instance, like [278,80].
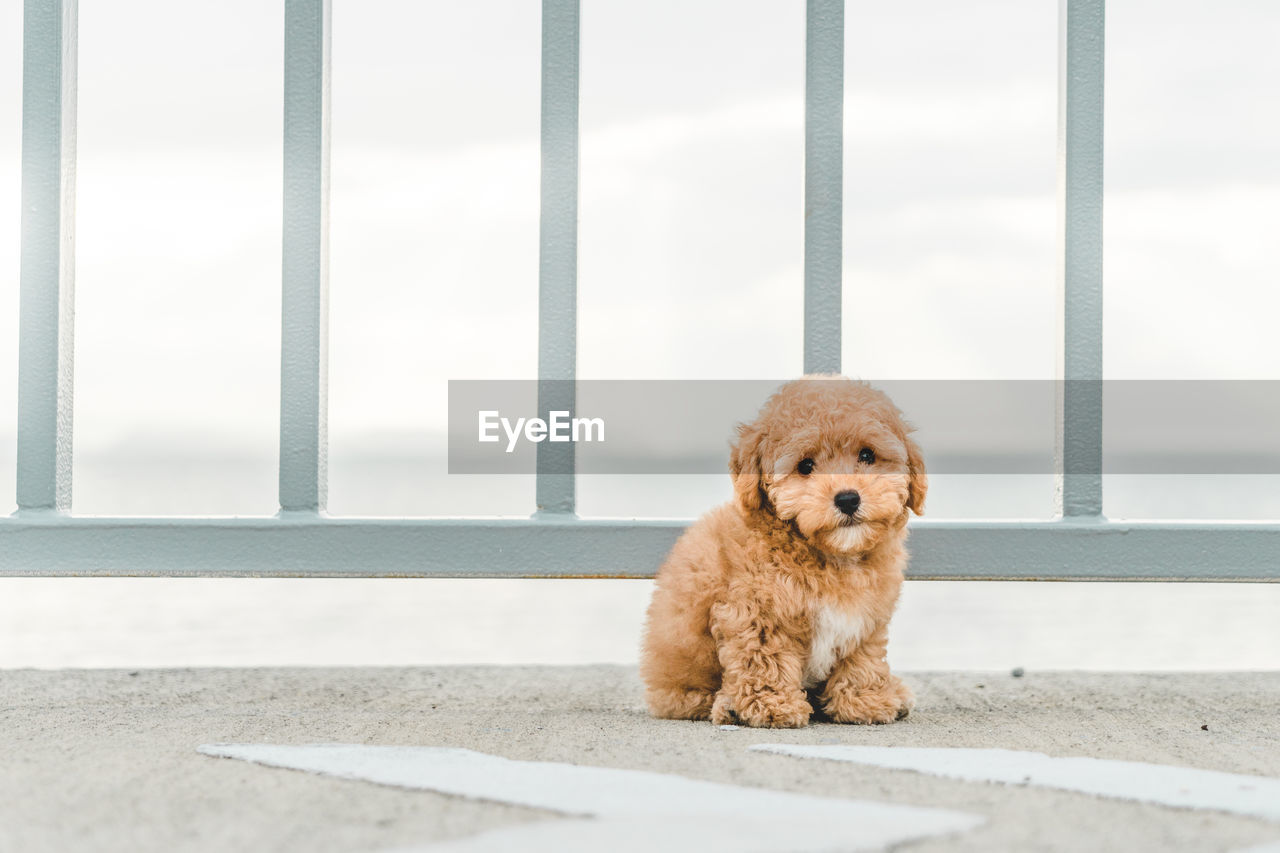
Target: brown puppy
[783,595]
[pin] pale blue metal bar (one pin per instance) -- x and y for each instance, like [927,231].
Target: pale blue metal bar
[47,276]
[558,249]
[304,336]
[823,184]
[301,545]
[1080,193]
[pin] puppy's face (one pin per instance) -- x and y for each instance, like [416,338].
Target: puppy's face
[834,458]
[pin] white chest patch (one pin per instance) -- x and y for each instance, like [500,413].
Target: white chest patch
[834,631]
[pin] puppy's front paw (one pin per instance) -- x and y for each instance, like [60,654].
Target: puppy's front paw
[765,709]
[722,713]
[884,704]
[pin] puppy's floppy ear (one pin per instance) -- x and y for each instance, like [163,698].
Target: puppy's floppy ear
[744,467]
[917,477]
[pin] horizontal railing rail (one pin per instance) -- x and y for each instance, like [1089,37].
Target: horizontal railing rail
[563,546]
[44,538]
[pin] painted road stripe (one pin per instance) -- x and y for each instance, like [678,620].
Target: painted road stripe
[634,806]
[1166,785]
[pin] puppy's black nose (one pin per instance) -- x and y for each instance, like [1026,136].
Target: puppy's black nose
[848,502]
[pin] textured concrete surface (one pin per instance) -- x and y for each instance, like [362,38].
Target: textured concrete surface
[105,760]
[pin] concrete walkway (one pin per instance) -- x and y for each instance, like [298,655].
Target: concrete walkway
[106,760]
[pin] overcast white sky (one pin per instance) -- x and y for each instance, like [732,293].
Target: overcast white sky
[691,194]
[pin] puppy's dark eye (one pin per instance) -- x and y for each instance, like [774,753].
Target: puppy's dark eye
[805,467]
[866,456]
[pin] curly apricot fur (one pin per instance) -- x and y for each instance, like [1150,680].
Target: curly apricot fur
[742,597]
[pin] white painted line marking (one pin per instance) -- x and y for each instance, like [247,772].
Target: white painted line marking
[637,807]
[1166,785]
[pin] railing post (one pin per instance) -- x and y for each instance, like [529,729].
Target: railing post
[1081,37]
[823,184]
[558,249]
[304,339]
[47,276]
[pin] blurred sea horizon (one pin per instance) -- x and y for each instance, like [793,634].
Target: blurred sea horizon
[393,475]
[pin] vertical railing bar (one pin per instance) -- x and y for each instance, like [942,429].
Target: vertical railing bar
[47,267]
[823,184]
[305,268]
[1080,194]
[558,249]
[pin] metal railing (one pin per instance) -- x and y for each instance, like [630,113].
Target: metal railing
[43,538]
